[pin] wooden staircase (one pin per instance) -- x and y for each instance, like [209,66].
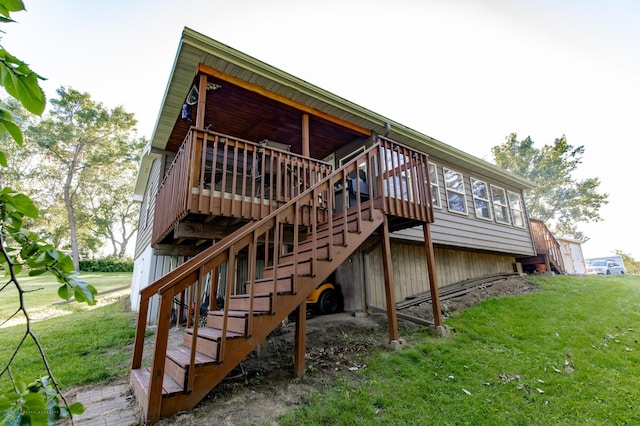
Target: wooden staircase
[297,247]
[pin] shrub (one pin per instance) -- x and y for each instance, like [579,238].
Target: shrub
[106,264]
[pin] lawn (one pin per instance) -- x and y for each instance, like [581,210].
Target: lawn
[41,297]
[567,354]
[92,345]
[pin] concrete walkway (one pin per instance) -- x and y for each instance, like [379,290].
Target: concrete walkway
[110,405]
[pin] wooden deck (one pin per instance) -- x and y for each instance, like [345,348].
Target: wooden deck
[548,256]
[215,175]
[386,184]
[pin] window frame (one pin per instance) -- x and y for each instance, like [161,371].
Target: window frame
[496,203]
[519,210]
[436,199]
[485,200]
[456,192]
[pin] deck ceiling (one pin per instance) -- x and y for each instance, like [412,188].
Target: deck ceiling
[282,123]
[241,113]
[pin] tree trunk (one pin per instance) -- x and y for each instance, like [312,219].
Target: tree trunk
[68,202]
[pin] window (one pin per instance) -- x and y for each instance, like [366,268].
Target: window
[517,212]
[500,208]
[481,202]
[454,184]
[435,187]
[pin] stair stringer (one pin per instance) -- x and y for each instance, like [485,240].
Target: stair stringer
[207,377]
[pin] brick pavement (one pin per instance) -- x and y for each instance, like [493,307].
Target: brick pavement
[111,405]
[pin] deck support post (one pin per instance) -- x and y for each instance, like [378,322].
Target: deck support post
[547,263]
[433,280]
[300,342]
[389,285]
[202,101]
[305,135]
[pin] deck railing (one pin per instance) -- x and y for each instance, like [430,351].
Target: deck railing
[387,176]
[219,175]
[545,243]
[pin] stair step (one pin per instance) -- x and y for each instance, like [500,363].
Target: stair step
[140,383]
[236,321]
[352,216]
[213,334]
[285,269]
[305,254]
[178,360]
[241,302]
[208,341]
[181,355]
[265,285]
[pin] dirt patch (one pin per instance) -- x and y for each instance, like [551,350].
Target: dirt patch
[262,388]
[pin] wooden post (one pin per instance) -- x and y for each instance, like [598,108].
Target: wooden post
[301,338]
[305,135]
[547,263]
[433,280]
[389,285]
[202,101]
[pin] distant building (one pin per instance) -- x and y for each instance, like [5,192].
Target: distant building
[571,251]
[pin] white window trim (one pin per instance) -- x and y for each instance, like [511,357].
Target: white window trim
[463,193]
[487,200]
[514,211]
[435,187]
[350,156]
[495,203]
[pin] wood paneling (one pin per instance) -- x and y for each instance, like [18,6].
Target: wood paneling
[249,115]
[410,269]
[147,208]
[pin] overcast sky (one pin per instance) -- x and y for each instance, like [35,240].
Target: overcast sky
[467,73]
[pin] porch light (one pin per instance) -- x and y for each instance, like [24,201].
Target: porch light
[186,112]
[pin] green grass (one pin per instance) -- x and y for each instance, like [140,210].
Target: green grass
[83,344]
[568,354]
[86,347]
[42,293]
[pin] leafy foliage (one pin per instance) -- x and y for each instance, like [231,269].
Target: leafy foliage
[631,265]
[107,264]
[39,402]
[89,155]
[560,200]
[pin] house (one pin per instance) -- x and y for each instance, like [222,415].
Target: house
[257,186]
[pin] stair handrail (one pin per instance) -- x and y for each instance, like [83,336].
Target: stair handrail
[318,198]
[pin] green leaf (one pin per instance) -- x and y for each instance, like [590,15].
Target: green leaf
[25,205]
[7,123]
[76,408]
[34,407]
[21,83]
[11,5]
[36,272]
[3,159]
[63,292]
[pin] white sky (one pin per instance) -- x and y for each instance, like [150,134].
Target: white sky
[462,71]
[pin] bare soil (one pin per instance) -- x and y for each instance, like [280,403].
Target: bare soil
[263,387]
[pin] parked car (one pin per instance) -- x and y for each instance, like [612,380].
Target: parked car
[604,267]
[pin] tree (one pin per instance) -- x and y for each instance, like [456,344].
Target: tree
[631,265]
[40,401]
[111,213]
[560,200]
[83,139]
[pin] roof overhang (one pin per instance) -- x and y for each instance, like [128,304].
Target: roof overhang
[195,49]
